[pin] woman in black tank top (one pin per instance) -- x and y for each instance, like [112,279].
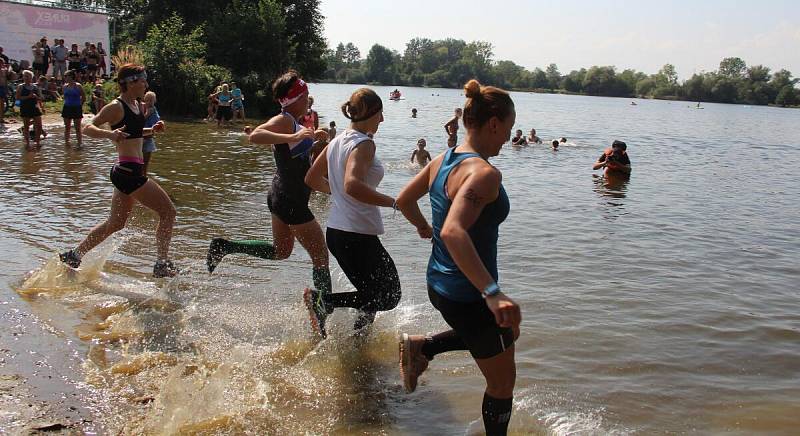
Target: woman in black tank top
[126,117]
[288,199]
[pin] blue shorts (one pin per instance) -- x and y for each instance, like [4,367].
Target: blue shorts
[237,104]
[148,145]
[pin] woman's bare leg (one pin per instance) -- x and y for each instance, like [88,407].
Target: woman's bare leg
[153,197]
[121,206]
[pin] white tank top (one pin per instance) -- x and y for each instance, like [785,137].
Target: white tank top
[347,213]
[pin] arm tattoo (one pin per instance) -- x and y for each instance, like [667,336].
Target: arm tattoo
[473,198]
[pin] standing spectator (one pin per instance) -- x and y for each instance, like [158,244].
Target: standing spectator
[311,118]
[72,112]
[74,58]
[59,59]
[29,95]
[98,98]
[38,60]
[47,55]
[152,117]
[3,57]
[6,74]
[102,53]
[238,102]
[92,63]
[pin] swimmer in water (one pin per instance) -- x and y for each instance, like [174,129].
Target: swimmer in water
[413,112]
[331,130]
[451,127]
[555,144]
[518,139]
[533,139]
[420,154]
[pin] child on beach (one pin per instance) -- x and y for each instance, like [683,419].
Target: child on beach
[332,129]
[422,155]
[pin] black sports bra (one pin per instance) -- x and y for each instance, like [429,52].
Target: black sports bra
[133,122]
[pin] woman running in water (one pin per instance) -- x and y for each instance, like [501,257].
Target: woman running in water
[288,198]
[126,116]
[350,171]
[451,127]
[468,203]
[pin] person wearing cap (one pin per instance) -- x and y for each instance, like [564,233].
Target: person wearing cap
[614,159]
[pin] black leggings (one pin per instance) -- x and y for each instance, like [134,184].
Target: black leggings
[369,268]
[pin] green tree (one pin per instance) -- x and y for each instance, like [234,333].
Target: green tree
[380,65]
[573,82]
[732,68]
[553,76]
[787,96]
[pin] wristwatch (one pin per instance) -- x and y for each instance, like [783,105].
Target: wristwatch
[490,290]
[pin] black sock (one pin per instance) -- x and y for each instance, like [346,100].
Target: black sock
[322,280]
[442,342]
[252,247]
[496,414]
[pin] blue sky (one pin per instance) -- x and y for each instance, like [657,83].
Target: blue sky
[644,35]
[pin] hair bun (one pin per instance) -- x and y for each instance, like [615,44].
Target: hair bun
[472,89]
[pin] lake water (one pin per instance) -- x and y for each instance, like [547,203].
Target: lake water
[667,303]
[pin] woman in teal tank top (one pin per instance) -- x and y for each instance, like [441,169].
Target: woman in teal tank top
[469,203]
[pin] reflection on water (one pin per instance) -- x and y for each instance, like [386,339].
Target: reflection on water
[700,321]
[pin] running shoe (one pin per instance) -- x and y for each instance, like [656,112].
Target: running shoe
[216,251]
[70,258]
[164,268]
[412,362]
[317,312]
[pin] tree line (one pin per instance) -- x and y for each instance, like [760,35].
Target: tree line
[449,63]
[190,47]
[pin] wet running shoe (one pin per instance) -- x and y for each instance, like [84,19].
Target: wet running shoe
[164,268]
[71,258]
[412,362]
[216,251]
[317,312]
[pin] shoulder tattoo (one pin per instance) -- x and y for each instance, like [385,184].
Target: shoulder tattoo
[473,198]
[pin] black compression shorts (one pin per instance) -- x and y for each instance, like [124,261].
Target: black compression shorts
[127,177]
[289,211]
[475,324]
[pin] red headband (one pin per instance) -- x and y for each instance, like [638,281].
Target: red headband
[298,89]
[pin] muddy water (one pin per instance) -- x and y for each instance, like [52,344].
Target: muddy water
[666,303]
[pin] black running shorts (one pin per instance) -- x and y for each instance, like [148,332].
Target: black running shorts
[475,324]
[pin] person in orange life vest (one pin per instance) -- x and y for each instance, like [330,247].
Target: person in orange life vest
[614,159]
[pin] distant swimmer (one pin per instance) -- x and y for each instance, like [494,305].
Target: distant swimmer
[288,197]
[468,205]
[420,154]
[563,140]
[519,139]
[413,112]
[451,127]
[126,116]
[633,103]
[533,139]
[555,144]
[350,171]
[332,129]
[614,159]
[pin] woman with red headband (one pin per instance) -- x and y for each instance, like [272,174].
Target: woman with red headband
[125,115]
[288,198]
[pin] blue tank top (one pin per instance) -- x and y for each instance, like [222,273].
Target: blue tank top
[72,96]
[443,274]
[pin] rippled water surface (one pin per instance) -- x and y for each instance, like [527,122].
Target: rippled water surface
[667,303]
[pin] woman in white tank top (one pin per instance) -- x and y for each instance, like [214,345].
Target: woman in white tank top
[349,170]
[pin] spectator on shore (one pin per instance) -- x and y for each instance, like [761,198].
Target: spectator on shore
[47,55]
[52,93]
[60,54]
[38,60]
[74,62]
[98,98]
[102,53]
[72,112]
[92,63]
[6,74]
[29,95]
[237,106]
[3,57]
[152,117]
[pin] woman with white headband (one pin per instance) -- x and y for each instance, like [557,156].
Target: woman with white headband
[288,199]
